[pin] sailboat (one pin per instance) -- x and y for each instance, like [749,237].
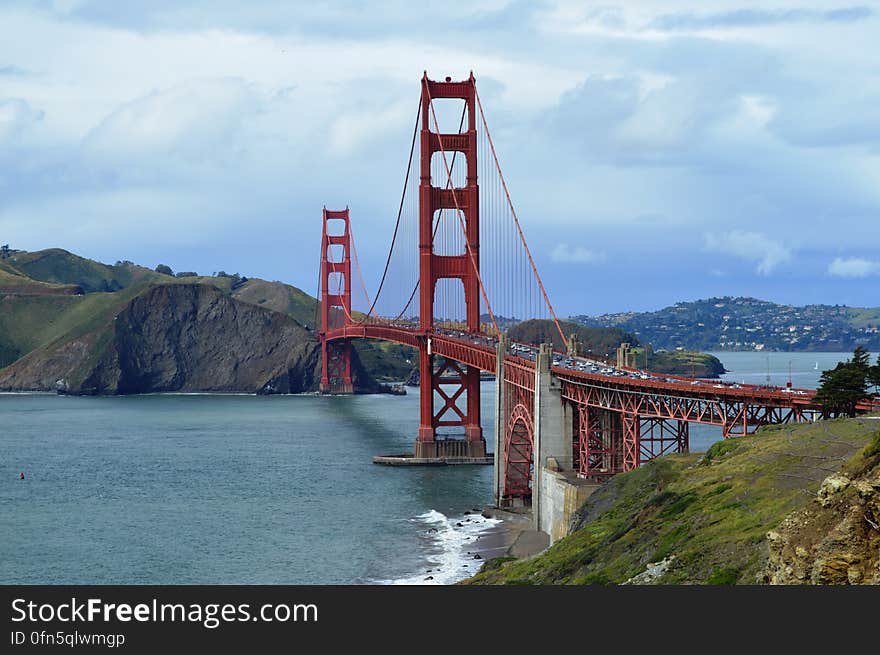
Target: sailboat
[816,366]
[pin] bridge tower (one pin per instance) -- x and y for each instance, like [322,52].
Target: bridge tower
[448,380]
[336,306]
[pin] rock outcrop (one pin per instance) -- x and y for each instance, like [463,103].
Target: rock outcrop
[181,338]
[835,539]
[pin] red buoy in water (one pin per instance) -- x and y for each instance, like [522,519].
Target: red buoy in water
[21,476]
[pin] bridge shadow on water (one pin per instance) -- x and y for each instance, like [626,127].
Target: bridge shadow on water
[387,424]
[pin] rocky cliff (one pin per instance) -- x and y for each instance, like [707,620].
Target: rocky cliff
[835,539]
[179,338]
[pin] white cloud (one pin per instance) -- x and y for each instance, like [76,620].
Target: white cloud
[16,115]
[359,128]
[566,254]
[194,118]
[608,124]
[751,246]
[853,267]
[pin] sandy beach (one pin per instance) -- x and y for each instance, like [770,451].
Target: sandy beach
[513,537]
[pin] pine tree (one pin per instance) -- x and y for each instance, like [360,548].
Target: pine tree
[844,386]
[874,376]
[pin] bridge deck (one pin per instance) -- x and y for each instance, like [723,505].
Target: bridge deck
[480,351]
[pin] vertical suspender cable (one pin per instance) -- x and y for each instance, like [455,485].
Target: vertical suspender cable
[516,219]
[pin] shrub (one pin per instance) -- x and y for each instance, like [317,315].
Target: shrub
[723,576]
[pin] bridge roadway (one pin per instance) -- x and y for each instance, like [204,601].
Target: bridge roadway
[649,394]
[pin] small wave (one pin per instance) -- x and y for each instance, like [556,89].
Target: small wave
[453,543]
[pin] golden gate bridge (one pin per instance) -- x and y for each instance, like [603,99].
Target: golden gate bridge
[458,268]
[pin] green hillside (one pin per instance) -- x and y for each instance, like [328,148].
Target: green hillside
[599,341]
[704,517]
[31,322]
[58,266]
[40,308]
[14,281]
[281,297]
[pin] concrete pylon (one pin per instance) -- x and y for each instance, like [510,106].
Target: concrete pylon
[553,432]
[500,418]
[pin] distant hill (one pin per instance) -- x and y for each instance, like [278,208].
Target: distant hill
[602,341]
[57,266]
[60,318]
[729,323]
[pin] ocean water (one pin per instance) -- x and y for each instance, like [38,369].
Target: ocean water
[193,489]
[228,489]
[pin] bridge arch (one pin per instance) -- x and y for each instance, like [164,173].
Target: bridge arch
[519,444]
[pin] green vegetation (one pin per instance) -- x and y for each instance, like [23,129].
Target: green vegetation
[864,317]
[387,361]
[14,281]
[596,341]
[58,266]
[39,308]
[31,322]
[723,576]
[275,295]
[711,512]
[679,362]
[843,387]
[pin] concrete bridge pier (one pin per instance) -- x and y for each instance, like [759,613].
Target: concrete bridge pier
[500,422]
[550,443]
[556,490]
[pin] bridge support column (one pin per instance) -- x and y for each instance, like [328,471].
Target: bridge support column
[335,301]
[552,439]
[336,367]
[500,421]
[631,441]
[445,380]
[425,444]
[684,437]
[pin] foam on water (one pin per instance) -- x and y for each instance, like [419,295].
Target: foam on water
[452,544]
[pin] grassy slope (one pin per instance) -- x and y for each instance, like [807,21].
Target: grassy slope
[281,297]
[861,317]
[31,322]
[11,279]
[58,266]
[712,512]
[28,323]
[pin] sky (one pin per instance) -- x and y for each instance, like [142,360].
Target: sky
[655,151]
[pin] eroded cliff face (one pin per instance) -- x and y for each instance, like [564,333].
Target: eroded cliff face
[182,338]
[195,338]
[835,539]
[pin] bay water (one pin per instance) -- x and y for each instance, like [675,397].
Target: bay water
[240,489]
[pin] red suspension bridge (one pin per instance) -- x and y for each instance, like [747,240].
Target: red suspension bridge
[458,271]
